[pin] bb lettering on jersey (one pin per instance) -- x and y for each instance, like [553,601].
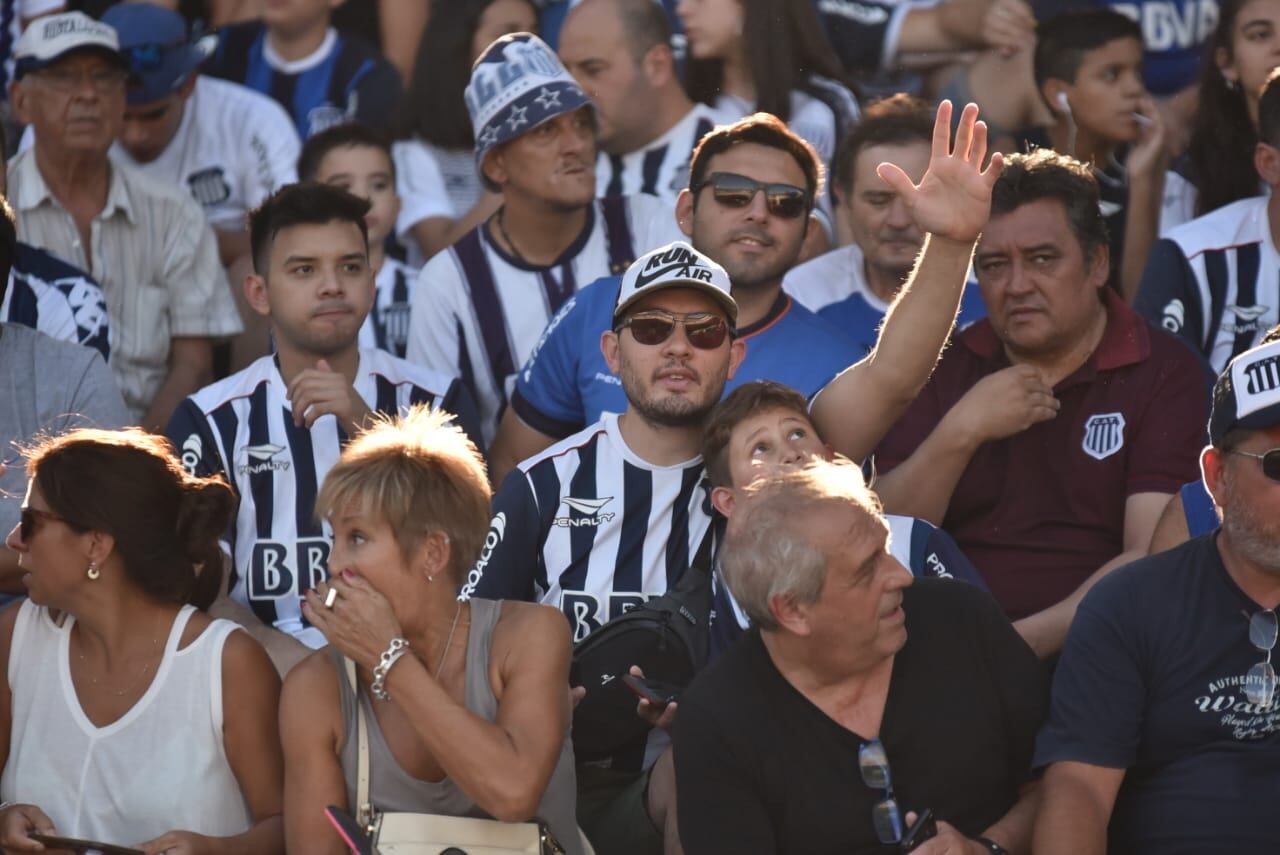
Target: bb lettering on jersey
[586,613]
[274,573]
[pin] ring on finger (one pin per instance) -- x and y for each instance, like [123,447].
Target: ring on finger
[330,598]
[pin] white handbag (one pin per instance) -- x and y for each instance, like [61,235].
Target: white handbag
[433,834]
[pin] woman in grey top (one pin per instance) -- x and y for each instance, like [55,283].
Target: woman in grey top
[476,709]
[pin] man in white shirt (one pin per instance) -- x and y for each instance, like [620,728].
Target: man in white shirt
[229,146]
[146,242]
[619,51]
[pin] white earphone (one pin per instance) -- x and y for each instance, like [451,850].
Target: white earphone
[1064,103]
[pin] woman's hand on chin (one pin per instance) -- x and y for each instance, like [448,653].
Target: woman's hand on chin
[358,621]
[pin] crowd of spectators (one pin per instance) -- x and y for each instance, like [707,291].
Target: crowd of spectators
[371,371]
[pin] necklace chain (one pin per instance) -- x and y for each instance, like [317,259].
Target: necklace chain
[449,641]
[120,693]
[502,230]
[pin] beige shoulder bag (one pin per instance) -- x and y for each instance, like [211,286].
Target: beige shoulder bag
[432,834]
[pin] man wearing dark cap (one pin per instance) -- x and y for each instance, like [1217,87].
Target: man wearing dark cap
[145,241]
[229,146]
[1164,734]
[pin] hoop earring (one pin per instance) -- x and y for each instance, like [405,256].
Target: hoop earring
[93,572]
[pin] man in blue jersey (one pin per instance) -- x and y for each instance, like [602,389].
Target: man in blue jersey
[320,76]
[757,237]
[852,286]
[479,307]
[1215,281]
[275,428]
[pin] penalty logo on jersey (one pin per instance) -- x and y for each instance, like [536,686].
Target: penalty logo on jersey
[589,510]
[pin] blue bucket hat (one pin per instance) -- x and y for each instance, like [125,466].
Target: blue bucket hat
[154,40]
[517,84]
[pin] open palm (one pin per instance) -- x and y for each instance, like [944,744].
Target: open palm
[953,199]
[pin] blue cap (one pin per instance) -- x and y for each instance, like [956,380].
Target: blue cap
[154,40]
[517,84]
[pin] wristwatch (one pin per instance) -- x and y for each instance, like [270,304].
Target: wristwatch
[992,846]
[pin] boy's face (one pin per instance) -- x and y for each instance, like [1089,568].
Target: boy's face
[1107,90]
[767,443]
[365,171]
[290,16]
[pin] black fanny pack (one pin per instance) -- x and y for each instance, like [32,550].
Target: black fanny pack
[668,637]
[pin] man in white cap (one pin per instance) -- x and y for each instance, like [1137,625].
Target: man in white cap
[1180,646]
[479,308]
[147,243]
[612,515]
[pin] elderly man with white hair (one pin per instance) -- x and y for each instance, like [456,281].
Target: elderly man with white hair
[862,698]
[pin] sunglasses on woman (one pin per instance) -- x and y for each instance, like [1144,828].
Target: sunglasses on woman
[30,516]
[736,191]
[705,331]
[1270,461]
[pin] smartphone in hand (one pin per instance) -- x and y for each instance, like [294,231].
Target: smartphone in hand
[654,691]
[925,828]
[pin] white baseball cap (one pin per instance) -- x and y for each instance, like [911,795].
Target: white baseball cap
[47,40]
[676,265]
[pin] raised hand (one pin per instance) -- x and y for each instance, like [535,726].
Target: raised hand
[953,199]
[360,623]
[1148,156]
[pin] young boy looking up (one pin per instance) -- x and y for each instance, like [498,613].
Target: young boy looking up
[1088,70]
[358,159]
[763,427]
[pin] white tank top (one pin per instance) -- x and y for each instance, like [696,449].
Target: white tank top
[161,766]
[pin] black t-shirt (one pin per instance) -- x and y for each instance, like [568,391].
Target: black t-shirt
[759,768]
[1150,681]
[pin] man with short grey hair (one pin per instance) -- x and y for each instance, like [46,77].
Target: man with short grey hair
[147,243]
[881,697]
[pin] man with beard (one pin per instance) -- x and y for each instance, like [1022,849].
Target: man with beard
[1180,754]
[751,189]
[479,307]
[275,429]
[611,516]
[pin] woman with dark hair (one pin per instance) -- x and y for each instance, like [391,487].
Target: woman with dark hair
[462,701]
[441,195]
[1218,166]
[768,55]
[128,713]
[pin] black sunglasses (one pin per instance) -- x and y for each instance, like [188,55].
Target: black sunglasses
[27,522]
[736,191]
[704,331]
[1270,461]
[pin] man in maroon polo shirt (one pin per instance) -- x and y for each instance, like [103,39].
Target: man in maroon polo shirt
[1052,433]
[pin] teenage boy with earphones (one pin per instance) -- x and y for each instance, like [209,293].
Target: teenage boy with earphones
[1088,69]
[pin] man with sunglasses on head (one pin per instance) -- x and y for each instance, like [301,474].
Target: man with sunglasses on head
[752,186]
[1164,732]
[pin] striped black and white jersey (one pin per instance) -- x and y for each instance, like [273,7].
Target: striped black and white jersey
[589,527]
[1215,281]
[477,312]
[242,428]
[56,298]
[662,167]
[387,324]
